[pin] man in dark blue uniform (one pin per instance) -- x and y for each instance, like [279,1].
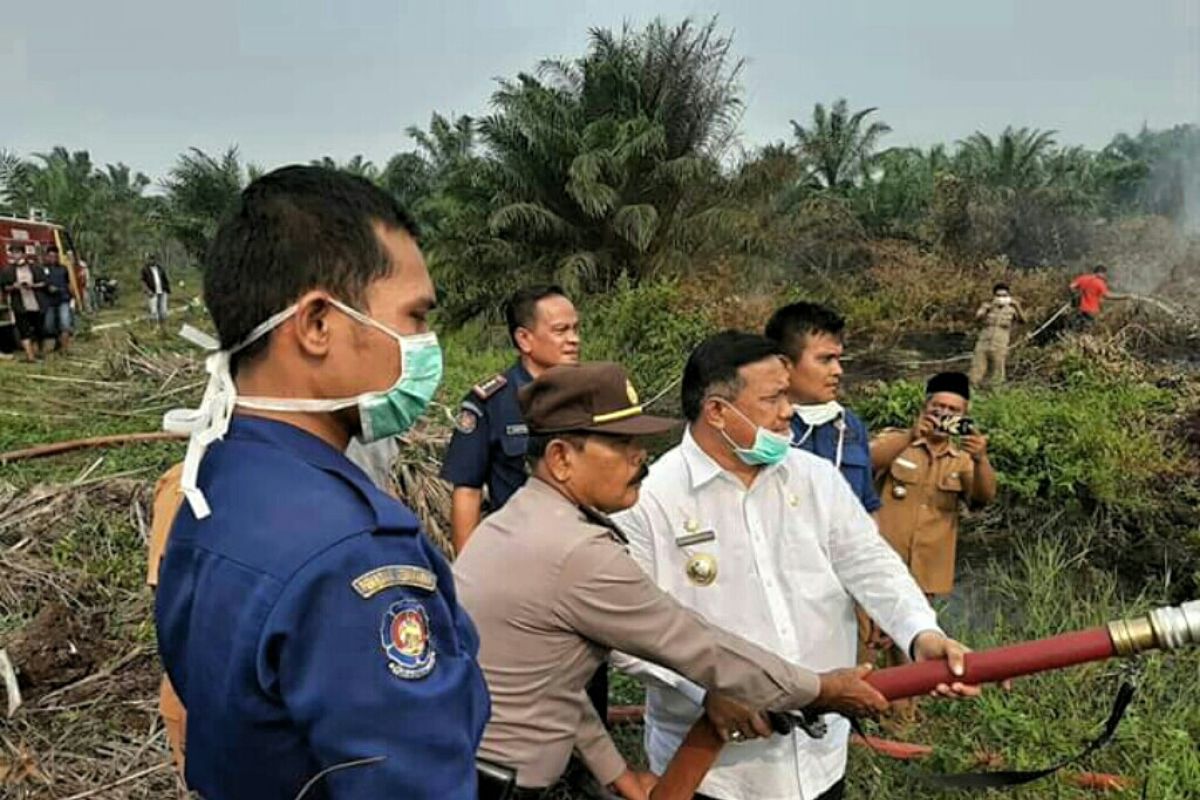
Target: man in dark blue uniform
[312,632]
[488,444]
[811,335]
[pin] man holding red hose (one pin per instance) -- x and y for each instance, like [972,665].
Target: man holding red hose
[770,542]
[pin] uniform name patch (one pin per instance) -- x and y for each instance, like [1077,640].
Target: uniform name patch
[517,430]
[695,538]
[489,387]
[405,638]
[372,583]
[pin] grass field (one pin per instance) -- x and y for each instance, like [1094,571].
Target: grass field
[72,538]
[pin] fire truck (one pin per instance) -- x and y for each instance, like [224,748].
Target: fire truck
[32,236]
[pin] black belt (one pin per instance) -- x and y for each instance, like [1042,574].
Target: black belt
[497,782]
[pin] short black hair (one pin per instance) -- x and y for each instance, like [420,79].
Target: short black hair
[521,310]
[51,249]
[790,326]
[296,229]
[717,360]
[1101,268]
[1000,287]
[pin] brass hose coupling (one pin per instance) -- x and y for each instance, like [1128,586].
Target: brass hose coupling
[1168,628]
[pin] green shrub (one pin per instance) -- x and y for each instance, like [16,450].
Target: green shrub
[642,328]
[1092,439]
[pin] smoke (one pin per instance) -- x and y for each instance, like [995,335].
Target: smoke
[1152,255]
[1190,168]
[1173,188]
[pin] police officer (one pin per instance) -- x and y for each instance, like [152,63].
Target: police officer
[312,633]
[990,360]
[489,440]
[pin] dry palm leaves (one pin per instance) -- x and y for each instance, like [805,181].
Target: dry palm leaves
[74,616]
[418,484]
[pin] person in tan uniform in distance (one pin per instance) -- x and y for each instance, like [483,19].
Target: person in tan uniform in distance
[990,360]
[168,497]
[925,477]
[552,590]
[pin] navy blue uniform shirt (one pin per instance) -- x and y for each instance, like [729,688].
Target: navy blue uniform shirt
[856,452]
[489,439]
[308,623]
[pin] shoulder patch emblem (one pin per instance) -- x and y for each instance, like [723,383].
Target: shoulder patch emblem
[405,638]
[489,387]
[372,583]
[466,421]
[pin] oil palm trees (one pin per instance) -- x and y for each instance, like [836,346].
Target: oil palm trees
[838,147]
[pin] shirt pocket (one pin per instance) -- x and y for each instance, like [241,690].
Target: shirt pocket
[904,471]
[950,488]
[514,445]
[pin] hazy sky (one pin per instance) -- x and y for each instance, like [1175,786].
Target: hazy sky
[139,81]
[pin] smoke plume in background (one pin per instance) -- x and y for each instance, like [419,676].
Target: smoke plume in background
[1161,255]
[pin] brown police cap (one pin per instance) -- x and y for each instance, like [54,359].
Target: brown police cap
[596,397]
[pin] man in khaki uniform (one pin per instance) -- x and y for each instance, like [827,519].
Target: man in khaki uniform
[551,589]
[168,497]
[990,360]
[924,478]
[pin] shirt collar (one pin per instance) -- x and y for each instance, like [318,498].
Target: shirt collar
[951,449]
[389,512]
[551,495]
[520,376]
[702,468]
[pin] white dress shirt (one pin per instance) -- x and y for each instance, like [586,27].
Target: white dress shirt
[793,553]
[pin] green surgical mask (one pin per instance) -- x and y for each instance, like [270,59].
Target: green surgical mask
[769,447]
[382,414]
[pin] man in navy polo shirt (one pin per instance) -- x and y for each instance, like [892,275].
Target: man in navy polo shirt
[490,437]
[310,629]
[811,335]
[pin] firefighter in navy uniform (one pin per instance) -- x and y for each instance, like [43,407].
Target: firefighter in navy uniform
[313,634]
[488,444]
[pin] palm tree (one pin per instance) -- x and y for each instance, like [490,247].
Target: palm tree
[201,190]
[894,197]
[357,166]
[838,147]
[1012,161]
[592,158]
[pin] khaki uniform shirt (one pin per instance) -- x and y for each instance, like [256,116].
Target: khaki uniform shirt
[921,492]
[998,321]
[552,590]
[168,497]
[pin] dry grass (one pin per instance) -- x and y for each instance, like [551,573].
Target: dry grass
[75,620]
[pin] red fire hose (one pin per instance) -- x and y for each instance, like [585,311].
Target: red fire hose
[1163,629]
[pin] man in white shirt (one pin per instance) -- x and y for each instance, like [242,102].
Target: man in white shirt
[158,290]
[770,542]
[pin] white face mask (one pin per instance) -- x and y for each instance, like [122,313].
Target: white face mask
[816,415]
[1004,300]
